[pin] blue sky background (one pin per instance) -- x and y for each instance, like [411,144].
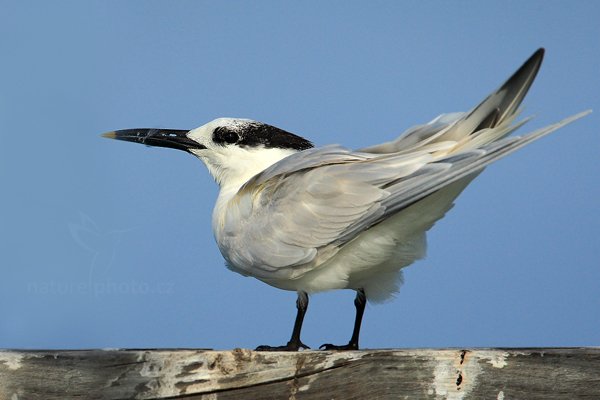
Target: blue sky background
[109,244]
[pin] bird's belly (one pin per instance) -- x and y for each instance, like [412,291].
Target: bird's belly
[372,261]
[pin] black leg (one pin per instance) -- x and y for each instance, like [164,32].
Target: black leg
[359,302]
[294,344]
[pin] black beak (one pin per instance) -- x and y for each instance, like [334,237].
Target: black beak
[172,138]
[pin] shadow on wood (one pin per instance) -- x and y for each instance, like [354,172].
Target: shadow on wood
[554,373]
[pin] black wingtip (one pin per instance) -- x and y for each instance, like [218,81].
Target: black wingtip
[529,69]
[536,58]
[517,86]
[539,52]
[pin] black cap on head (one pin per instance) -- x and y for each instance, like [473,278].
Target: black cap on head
[257,134]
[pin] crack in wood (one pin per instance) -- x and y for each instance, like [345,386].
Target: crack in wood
[298,375]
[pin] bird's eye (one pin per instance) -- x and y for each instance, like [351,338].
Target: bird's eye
[224,135]
[230,137]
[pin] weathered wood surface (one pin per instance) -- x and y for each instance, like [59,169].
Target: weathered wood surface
[555,373]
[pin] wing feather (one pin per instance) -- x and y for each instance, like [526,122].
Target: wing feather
[291,217]
[303,209]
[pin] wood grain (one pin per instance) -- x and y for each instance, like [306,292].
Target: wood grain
[544,373]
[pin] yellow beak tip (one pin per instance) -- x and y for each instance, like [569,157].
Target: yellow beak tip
[110,135]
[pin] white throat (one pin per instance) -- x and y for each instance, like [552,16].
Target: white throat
[235,166]
[231,169]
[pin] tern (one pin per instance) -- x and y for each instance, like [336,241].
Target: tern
[310,219]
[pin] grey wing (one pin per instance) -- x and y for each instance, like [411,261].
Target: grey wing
[301,209]
[292,218]
[293,221]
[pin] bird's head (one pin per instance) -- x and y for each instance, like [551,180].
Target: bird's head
[233,150]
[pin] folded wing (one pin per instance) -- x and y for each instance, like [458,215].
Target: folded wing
[300,211]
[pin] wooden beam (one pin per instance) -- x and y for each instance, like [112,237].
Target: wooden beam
[553,373]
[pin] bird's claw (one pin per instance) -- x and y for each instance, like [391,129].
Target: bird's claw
[329,346]
[290,346]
